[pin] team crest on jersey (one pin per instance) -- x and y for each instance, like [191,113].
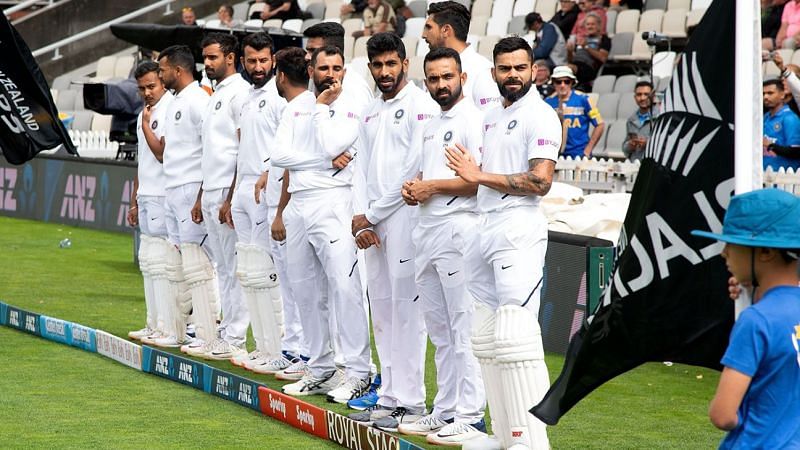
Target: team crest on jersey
[218,105]
[332,112]
[261,104]
[776,126]
[448,136]
[178,115]
[512,124]
[154,125]
[399,114]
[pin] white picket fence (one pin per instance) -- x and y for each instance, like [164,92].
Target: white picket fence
[603,175]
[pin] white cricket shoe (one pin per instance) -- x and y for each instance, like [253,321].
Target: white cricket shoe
[150,340]
[455,434]
[270,366]
[311,385]
[350,388]
[221,350]
[139,334]
[399,416]
[293,372]
[241,359]
[196,347]
[171,341]
[483,443]
[424,426]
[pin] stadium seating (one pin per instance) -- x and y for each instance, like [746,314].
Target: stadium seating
[272,23]
[292,25]
[674,23]
[516,26]
[497,26]
[679,4]
[607,104]
[627,21]
[604,84]
[317,10]
[650,20]
[611,22]
[655,4]
[627,106]
[478,24]
[308,23]
[414,27]
[693,17]
[546,8]
[419,8]
[482,8]
[352,25]
[502,9]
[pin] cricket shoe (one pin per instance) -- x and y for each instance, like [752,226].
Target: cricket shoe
[311,385]
[139,334]
[270,366]
[150,340]
[371,414]
[222,350]
[171,341]
[351,388]
[196,347]
[242,358]
[293,372]
[456,434]
[424,426]
[369,399]
[483,443]
[400,415]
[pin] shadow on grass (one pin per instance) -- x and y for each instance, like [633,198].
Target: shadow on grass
[121,266]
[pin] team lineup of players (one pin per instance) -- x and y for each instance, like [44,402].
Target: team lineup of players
[254,201]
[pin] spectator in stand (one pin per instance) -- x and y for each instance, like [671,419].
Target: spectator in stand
[789,33]
[771,13]
[588,53]
[781,143]
[550,43]
[577,113]
[542,79]
[640,123]
[225,16]
[188,17]
[280,9]
[791,82]
[565,17]
[378,16]
[356,8]
[587,8]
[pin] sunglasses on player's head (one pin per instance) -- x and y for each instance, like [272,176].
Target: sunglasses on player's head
[562,81]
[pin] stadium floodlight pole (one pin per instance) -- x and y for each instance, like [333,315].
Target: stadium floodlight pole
[747,109]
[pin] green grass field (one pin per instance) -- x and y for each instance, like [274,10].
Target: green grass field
[54,396]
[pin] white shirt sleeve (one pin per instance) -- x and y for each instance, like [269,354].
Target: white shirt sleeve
[335,134]
[544,138]
[360,200]
[485,94]
[286,156]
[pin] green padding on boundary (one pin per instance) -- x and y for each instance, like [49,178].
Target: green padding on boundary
[186,371]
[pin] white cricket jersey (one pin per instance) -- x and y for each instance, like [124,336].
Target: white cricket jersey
[333,130]
[460,125]
[151,171]
[356,89]
[220,143]
[183,147]
[527,129]
[295,140]
[480,86]
[261,114]
[389,147]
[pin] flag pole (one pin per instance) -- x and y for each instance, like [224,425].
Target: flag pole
[748,114]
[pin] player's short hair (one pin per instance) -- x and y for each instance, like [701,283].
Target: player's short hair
[178,56]
[257,41]
[442,53]
[773,82]
[227,42]
[451,13]
[643,83]
[332,32]
[330,50]
[386,42]
[511,44]
[144,68]
[291,61]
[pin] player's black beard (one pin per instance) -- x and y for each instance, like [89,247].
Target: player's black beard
[260,84]
[393,89]
[512,97]
[447,102]
[322,85]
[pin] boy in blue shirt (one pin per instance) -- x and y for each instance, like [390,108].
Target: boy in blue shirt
[758,396]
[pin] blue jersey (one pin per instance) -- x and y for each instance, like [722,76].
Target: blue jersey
[578,114]
[765,345]
[783,129]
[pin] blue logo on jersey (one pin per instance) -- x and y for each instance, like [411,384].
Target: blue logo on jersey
[448,136]
[512,124]
[154,125]
[399,114]
[261,104]
[218,105]
[178,115]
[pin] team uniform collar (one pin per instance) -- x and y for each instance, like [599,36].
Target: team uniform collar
[452,112]
[527,99]
[403,92]
[228,81]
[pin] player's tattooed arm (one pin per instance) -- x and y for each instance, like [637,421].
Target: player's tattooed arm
[537,180]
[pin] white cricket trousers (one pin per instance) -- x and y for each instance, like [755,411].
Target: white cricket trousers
[397,321]
[180,227]
[320,248]
[442,256]
[221,244]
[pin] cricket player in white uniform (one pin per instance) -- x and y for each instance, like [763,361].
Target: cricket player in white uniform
[520,148]
[218,164]
[191,273]
[314,144]
[448,225]
[147,201]
[447,25]
[388,154]
[261,282]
